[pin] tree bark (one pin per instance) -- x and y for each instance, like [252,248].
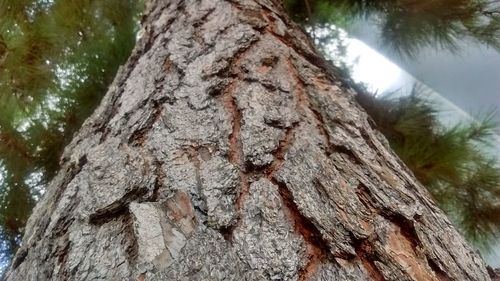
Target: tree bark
[227,149]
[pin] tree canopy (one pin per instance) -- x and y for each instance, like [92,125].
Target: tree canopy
[406,26]
[56,61]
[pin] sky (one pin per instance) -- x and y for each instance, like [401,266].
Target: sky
[469,78]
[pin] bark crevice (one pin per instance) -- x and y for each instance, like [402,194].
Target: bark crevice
[117,209]
[366,254]
[316,247]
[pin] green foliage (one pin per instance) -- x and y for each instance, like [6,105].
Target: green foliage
[57,59]
[406,26]
[454,163]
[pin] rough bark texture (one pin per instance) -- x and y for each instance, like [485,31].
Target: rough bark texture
[226,149]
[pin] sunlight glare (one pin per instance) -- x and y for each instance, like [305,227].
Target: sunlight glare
[371,68]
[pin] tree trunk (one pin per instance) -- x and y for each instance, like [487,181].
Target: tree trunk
[227,149]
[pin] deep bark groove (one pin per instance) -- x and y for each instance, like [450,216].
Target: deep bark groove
[235,150]
[316,249]
[235,143]
[366,254]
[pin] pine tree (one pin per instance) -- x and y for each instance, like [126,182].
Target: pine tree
[227,149]
[465,185]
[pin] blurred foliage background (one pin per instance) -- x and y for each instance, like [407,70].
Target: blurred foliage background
[57,58]
[406,26]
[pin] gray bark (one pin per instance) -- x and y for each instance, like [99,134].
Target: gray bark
[227,149]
